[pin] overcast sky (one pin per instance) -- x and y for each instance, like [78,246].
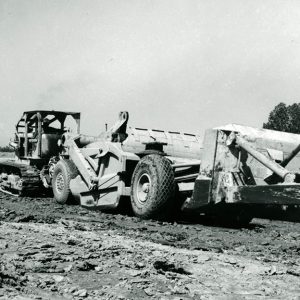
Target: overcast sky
[175,65]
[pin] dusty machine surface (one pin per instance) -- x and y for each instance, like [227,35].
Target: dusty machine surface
[161,172]
[149,166]
[37,148]
[243,166]
[164,172]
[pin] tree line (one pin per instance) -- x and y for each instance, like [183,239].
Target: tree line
[6,149]
[284,118]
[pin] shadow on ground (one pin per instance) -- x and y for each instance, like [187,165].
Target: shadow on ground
[291,214]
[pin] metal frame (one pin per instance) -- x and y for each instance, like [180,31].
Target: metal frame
[236,168]
[36,117]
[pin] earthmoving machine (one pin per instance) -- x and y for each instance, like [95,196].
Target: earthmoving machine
[36,144]
[161,172]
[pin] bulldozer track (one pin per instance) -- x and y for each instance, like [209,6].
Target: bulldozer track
[8,193]
[29,175]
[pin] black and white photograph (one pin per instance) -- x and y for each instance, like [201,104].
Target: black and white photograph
[149,149]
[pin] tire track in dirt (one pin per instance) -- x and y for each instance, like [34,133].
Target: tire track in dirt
[65,252]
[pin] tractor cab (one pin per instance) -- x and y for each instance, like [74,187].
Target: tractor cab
[38,132]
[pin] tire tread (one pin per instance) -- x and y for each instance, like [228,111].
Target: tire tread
[158,207]
[69,170]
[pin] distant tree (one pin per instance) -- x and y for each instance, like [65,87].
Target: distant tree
[284,118]
[6,149]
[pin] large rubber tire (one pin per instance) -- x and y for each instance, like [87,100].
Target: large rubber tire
[152,188]
[64,171]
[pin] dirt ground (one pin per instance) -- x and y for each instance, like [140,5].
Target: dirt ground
[6,155]
[49,251]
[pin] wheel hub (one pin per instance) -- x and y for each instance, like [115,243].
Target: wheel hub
[143,187]
[146,187]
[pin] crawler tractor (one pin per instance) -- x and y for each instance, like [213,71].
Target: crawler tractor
[161,172]
[37,150]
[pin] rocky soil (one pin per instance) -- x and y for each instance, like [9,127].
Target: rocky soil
[49,251]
